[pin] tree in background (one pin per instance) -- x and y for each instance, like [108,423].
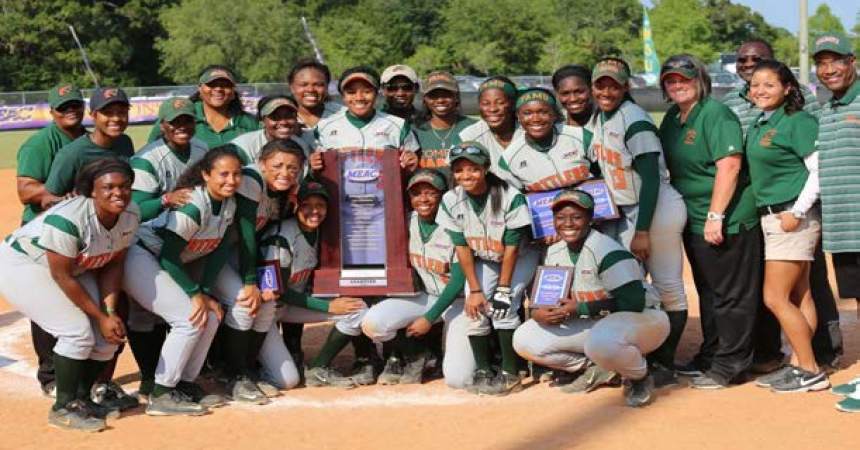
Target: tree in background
[38,49]
[856,31]
[823,21]
[683,26]
[259,39]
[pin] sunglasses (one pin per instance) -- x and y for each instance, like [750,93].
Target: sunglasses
[679,64]
[746,59]
[407,87]
[467,150]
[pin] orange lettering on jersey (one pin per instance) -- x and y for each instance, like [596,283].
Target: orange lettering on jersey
[567,178]
[480,244]
[591,296]
[432,159]
[429,264]
[202,245]
[94,262]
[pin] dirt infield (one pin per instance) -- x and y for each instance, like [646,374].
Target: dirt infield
[432,416]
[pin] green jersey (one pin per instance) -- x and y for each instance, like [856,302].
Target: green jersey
[775,148]
[35,158]
[692,149]
[435,143]
[77,154]
[239,124]
[839,171]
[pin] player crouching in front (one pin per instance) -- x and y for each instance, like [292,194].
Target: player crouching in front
[403,321]
[63,270]
[609,318]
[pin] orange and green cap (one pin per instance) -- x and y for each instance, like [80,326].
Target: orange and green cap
[310,188]
[217,73]
[440,80]
[174,107]
[613,68]
[575,197]
[64,93]
[833,42]
[274,103]
[682,65]
[429,176]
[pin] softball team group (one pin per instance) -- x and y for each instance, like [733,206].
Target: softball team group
[160,248]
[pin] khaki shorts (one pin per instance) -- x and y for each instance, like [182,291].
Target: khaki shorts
[798,245]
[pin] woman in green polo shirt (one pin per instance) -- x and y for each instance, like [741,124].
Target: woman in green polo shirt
[703,146]
[783,162]
[218,110]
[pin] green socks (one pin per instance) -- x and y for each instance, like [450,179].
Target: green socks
[92,370]
[410,348]
[235,346]
[69,373]
[146,348]
[335,342]
[509,356]
[481,351]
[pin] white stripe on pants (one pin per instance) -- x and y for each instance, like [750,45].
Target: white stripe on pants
[29,287]
[617,342]
[185,348]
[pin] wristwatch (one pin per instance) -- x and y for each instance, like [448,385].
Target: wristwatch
[715,216]
[798,214]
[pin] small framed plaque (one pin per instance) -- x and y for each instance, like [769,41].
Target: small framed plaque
[604,204]
[269,276]
[540,207]
[552,283]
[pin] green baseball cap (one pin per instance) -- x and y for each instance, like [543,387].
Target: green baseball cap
[312,188]
[575,197]
[471,150]
[216,73]
[174,107]
[429,176]
[272,105]
[102,97]
[64,93]
[833,42]
[681,65]
[613,68]
[440,80]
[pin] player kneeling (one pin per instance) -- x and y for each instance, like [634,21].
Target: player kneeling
[610,317]
[403,321]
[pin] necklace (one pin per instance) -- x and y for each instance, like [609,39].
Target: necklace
[443,140]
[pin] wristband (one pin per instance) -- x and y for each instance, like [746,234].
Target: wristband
[715,216]
[109,310]
[164,200]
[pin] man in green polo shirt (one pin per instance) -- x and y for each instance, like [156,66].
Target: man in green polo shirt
[827,342]
[109,110]
[839,174]
[34,164]
[218,112]
[37,153]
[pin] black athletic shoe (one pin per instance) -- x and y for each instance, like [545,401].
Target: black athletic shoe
[482,381]
[174,403]
[768,380]
[392,372]
[638,393]
[413,370]
[663,377]
[707,382]
[197,394]
[112,395]
[799,380]
[691,369]
[75,416]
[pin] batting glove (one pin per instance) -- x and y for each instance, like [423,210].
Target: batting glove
[501,302]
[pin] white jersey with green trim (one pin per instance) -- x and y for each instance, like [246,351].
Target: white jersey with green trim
[195,222]
[589,283]
[251,145]
[381,131]
[483,229]
[562,164]
[286,244]
[308,134]
[254,188]
[481,133]
[431,260]
[157,168]
[618,139]
[72,229]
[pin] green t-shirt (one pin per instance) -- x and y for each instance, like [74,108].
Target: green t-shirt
[775,149]
[35,158]
[78,153]
[692,150]
[435,144]
[239,124]
[739,102]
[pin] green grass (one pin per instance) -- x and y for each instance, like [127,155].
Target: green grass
[10,142]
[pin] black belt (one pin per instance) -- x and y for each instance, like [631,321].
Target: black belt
[775,209]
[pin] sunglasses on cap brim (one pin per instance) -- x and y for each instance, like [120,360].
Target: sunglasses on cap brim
[467,150]
[684,64]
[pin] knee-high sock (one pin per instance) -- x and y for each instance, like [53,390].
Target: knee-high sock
[335,342]
[665,354]
[509,356]
[69,373]
[481,351]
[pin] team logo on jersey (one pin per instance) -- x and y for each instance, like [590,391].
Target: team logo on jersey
[690,137]
[109,93]
[569,155]
[381,133]
[523,164]
[332,133]
[362,175]
[614,134]
[767,139]
[497,223]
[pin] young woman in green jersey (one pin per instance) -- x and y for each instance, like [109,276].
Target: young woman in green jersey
[64,271]
[443,123]
[783,162]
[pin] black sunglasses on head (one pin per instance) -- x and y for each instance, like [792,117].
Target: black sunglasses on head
[469,149]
